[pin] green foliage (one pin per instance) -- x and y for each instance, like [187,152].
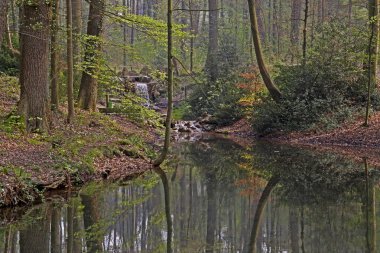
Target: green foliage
[323,93]
[133,107]
[220,99]
[12,124]
[9,63]
[181,112]
[136,147]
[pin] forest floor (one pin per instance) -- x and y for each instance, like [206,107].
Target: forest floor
[94,147]
[352,139]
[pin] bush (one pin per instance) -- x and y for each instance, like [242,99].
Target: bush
[324,92]
[9,64]
[220,99]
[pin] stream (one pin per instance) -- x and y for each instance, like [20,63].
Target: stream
[212,196]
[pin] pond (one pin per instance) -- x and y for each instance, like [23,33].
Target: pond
[214,196]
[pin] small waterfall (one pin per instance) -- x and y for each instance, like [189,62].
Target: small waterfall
[142,91]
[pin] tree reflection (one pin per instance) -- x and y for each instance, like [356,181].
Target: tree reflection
[370,210]
[259,213]
[169,222]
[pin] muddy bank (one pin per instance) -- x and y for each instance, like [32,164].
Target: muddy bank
[95,147]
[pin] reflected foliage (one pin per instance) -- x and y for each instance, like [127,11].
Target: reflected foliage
[214,196]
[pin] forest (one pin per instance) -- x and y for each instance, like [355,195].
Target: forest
[244,108]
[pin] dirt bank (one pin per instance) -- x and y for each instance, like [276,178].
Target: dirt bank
[94,147]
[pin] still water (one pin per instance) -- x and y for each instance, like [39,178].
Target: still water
[213,196]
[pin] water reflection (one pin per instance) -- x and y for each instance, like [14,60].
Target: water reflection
[214,196]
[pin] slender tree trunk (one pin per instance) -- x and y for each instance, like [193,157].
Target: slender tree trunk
[212,52]
[70,63]
[169,222]
[373,48]
[374,28]
[260,22]
[370,211]
[133,11]
[54,58]
[125,41]
[211,212]
[168,122]
[272,88]
[34,76]
[3,18]
[304,44]
[77,32]
[259,212]
[192,32]
[8,36]
[89,85]
[295,26]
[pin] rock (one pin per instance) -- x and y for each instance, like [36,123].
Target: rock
[184,130]
[208,127]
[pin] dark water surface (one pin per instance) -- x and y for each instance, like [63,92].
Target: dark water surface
[214,196]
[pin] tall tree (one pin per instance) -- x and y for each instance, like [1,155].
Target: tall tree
[272,88]
[304,31]
[295,26]
[70,62]
[373,48]
[124,40]
[212,52]
[54,55]
[3,18]
[34,79]
[77,31]
[170,74]
[89,85]
[373,10]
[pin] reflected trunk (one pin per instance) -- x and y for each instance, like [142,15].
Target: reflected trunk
[370,211]
[259,211]
[211,211]
[35,237]
[169,222]
[91,217]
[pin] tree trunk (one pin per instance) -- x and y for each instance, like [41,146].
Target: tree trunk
[56,244]
[169,222]
[70,63]
[260,21]
[89,85]
[35,236]
[211,211]
[91,218]
[295,26]
[54,58]
[34,76]
[125,41]
[273,90]
[259,212]
[304,43]
[77,31]
[168,122]
[212,53]
[374,28]
[3,18]
[373,48]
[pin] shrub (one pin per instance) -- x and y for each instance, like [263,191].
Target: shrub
[220,99]
[9,64]
[325,91]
